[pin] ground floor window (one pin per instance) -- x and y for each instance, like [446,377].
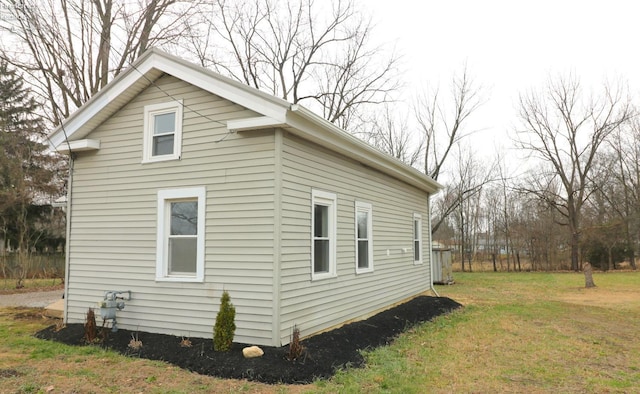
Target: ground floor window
[417,238]
[180,238]
[323,234]
[364,237]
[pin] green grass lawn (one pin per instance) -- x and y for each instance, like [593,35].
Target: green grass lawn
[518,332]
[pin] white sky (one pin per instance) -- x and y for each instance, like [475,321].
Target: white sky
[511,46]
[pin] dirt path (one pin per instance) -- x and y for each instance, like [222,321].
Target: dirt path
[36,299]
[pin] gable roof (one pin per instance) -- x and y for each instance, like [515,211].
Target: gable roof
[275,112]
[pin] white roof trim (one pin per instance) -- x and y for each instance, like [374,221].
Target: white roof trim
[312,127]
[142,71]
[79,146]
[257,123]
[273,111]
[96,104]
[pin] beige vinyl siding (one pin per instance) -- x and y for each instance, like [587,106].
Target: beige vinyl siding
[320,304]
[113,222]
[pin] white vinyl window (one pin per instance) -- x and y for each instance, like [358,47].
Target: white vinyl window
[364,237]
[162,131]
[323,235]
[417,238]
[180,238]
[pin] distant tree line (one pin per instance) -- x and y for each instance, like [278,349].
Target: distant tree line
[577,199]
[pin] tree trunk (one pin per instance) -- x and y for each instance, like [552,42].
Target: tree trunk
[588,276]
[630,246]
[493,257]
[575,252]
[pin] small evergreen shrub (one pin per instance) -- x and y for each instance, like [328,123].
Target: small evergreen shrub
[225,326]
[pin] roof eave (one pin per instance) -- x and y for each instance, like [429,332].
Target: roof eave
[142,73]
[89,110]
[339,140]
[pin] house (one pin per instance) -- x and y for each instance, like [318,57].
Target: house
[185,183]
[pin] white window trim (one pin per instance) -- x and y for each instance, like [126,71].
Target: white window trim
[417,217]
[158,109]
[162,269]
[329,199]
[364,207]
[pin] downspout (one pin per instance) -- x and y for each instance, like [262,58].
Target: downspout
[67,254]
[431,252]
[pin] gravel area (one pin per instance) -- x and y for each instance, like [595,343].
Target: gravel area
[35,299]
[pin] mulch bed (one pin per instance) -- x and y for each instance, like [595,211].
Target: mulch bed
[325,353]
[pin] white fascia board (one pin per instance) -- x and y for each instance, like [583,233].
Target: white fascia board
[79,146]
[98,102]
[256,123]
[234,91]
[226,88]
[314,128]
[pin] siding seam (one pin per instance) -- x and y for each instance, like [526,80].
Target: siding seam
[277,235]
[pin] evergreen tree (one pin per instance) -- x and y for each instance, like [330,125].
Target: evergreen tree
[27,170]
[225,326]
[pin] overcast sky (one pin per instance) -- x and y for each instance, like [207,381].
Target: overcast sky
[512,46]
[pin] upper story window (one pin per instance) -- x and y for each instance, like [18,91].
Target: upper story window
[180,238]
[364,237]
[323,235]
[162,131]
[417,238]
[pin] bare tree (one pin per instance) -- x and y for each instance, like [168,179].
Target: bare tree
[500,205]
[389,132]
[458,201]
[443,121]
[493,211]
[508,215]
[627,152]
[302,52]
[604,220]
[615,219]
[566,131]
[70,49]
[535,227]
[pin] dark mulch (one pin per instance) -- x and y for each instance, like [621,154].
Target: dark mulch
[325,353]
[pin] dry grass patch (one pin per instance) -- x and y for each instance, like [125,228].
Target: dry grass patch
[518,333]
[8,286]
[606,295]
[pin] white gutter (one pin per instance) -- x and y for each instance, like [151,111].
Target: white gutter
[67,258]
[338,140]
